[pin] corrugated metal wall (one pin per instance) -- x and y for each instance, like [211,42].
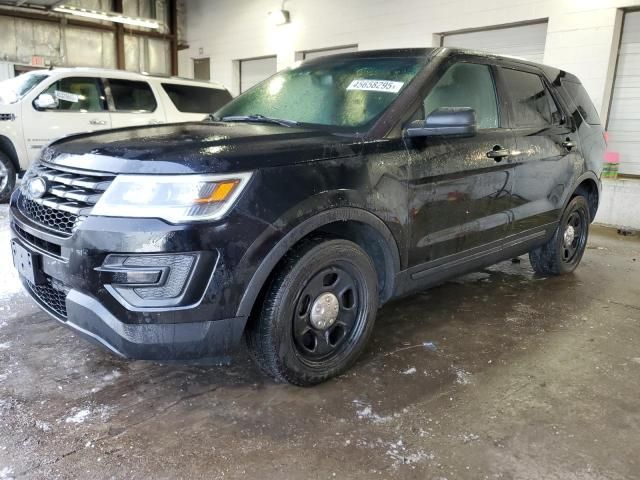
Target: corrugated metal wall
[63,45]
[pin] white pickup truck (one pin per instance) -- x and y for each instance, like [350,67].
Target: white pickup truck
[39,107]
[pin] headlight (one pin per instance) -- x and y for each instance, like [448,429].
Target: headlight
[174,198]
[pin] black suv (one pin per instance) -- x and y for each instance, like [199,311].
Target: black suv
[306,203]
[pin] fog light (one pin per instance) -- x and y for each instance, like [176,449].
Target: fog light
[148,280]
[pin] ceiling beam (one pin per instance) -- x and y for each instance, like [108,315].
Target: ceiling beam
[55,18]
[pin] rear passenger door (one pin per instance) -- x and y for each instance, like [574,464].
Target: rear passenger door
[132,103]
[547,153]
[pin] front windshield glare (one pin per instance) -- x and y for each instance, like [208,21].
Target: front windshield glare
[14,89]
[349,93]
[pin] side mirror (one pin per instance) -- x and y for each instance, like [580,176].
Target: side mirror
[459,121]
[45,101]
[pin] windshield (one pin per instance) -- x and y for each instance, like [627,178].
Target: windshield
[14,89]
[346,92]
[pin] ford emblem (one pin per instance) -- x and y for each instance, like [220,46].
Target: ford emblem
[37,187]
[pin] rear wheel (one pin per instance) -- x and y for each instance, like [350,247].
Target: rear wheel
[563,252]
[318,313]
[7,177]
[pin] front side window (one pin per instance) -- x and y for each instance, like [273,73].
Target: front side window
[77,94]
[349,93]
[532,104]
[132,96]
[192,99]
[467,85]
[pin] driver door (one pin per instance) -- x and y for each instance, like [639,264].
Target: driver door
[80,107]
[459,195]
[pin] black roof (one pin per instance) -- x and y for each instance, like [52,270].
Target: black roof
[552,72]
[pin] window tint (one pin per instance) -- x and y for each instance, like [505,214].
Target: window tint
[132,96]
[77,94]
[581,98]
[467,85]
[533,105]
[192,99]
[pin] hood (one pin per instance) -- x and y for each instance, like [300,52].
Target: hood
[202,147]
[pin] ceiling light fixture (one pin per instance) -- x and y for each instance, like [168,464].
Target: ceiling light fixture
[280,17]
[108,16]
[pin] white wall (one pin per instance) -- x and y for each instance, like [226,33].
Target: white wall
[581,36]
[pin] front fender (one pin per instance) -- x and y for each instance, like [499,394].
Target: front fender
[279,244]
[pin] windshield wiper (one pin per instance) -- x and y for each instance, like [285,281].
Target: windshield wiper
[260,118]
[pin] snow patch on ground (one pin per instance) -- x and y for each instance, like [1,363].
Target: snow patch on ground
[462,376]
[6,473]
[469,437]
[410,371]
[112,376]
[401,455]
[5,345]
[80,415]
[44,426]
[367,413]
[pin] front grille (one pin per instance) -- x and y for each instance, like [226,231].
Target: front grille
[58,220]
[48,247]
[69,199]
[52,295]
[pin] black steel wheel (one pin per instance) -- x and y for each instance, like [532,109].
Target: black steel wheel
[328,313]
[563,252]
[318,313]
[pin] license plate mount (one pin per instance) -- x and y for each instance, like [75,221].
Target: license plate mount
[27,263]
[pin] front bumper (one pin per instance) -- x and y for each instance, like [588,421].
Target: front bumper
[197,326]
[214,340]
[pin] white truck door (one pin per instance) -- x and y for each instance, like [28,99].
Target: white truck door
[133,103]
[80,106]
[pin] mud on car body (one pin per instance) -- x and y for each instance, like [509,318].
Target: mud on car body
[306,203]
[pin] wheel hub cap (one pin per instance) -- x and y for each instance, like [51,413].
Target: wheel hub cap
[324,311]
[569,235]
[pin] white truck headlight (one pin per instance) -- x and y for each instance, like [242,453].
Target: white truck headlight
[174,198]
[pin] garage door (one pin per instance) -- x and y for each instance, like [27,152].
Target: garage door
[255,70]
[624,116]
[328,51]
[524,41]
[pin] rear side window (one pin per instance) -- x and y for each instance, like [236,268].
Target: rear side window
[77,94]
[532,104]
[191,99]
[466,85]
[132,96]
[581,98]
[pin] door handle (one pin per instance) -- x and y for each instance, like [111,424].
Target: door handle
[97,122]
[569,144]
[498,153]
[155,122]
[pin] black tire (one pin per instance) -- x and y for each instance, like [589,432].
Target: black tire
[285,342]
[563,252]
[7,178]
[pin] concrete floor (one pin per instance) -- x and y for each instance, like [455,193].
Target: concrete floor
[497,375]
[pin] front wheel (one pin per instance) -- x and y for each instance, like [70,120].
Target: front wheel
[318,313]
[7,177]
[563,252]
